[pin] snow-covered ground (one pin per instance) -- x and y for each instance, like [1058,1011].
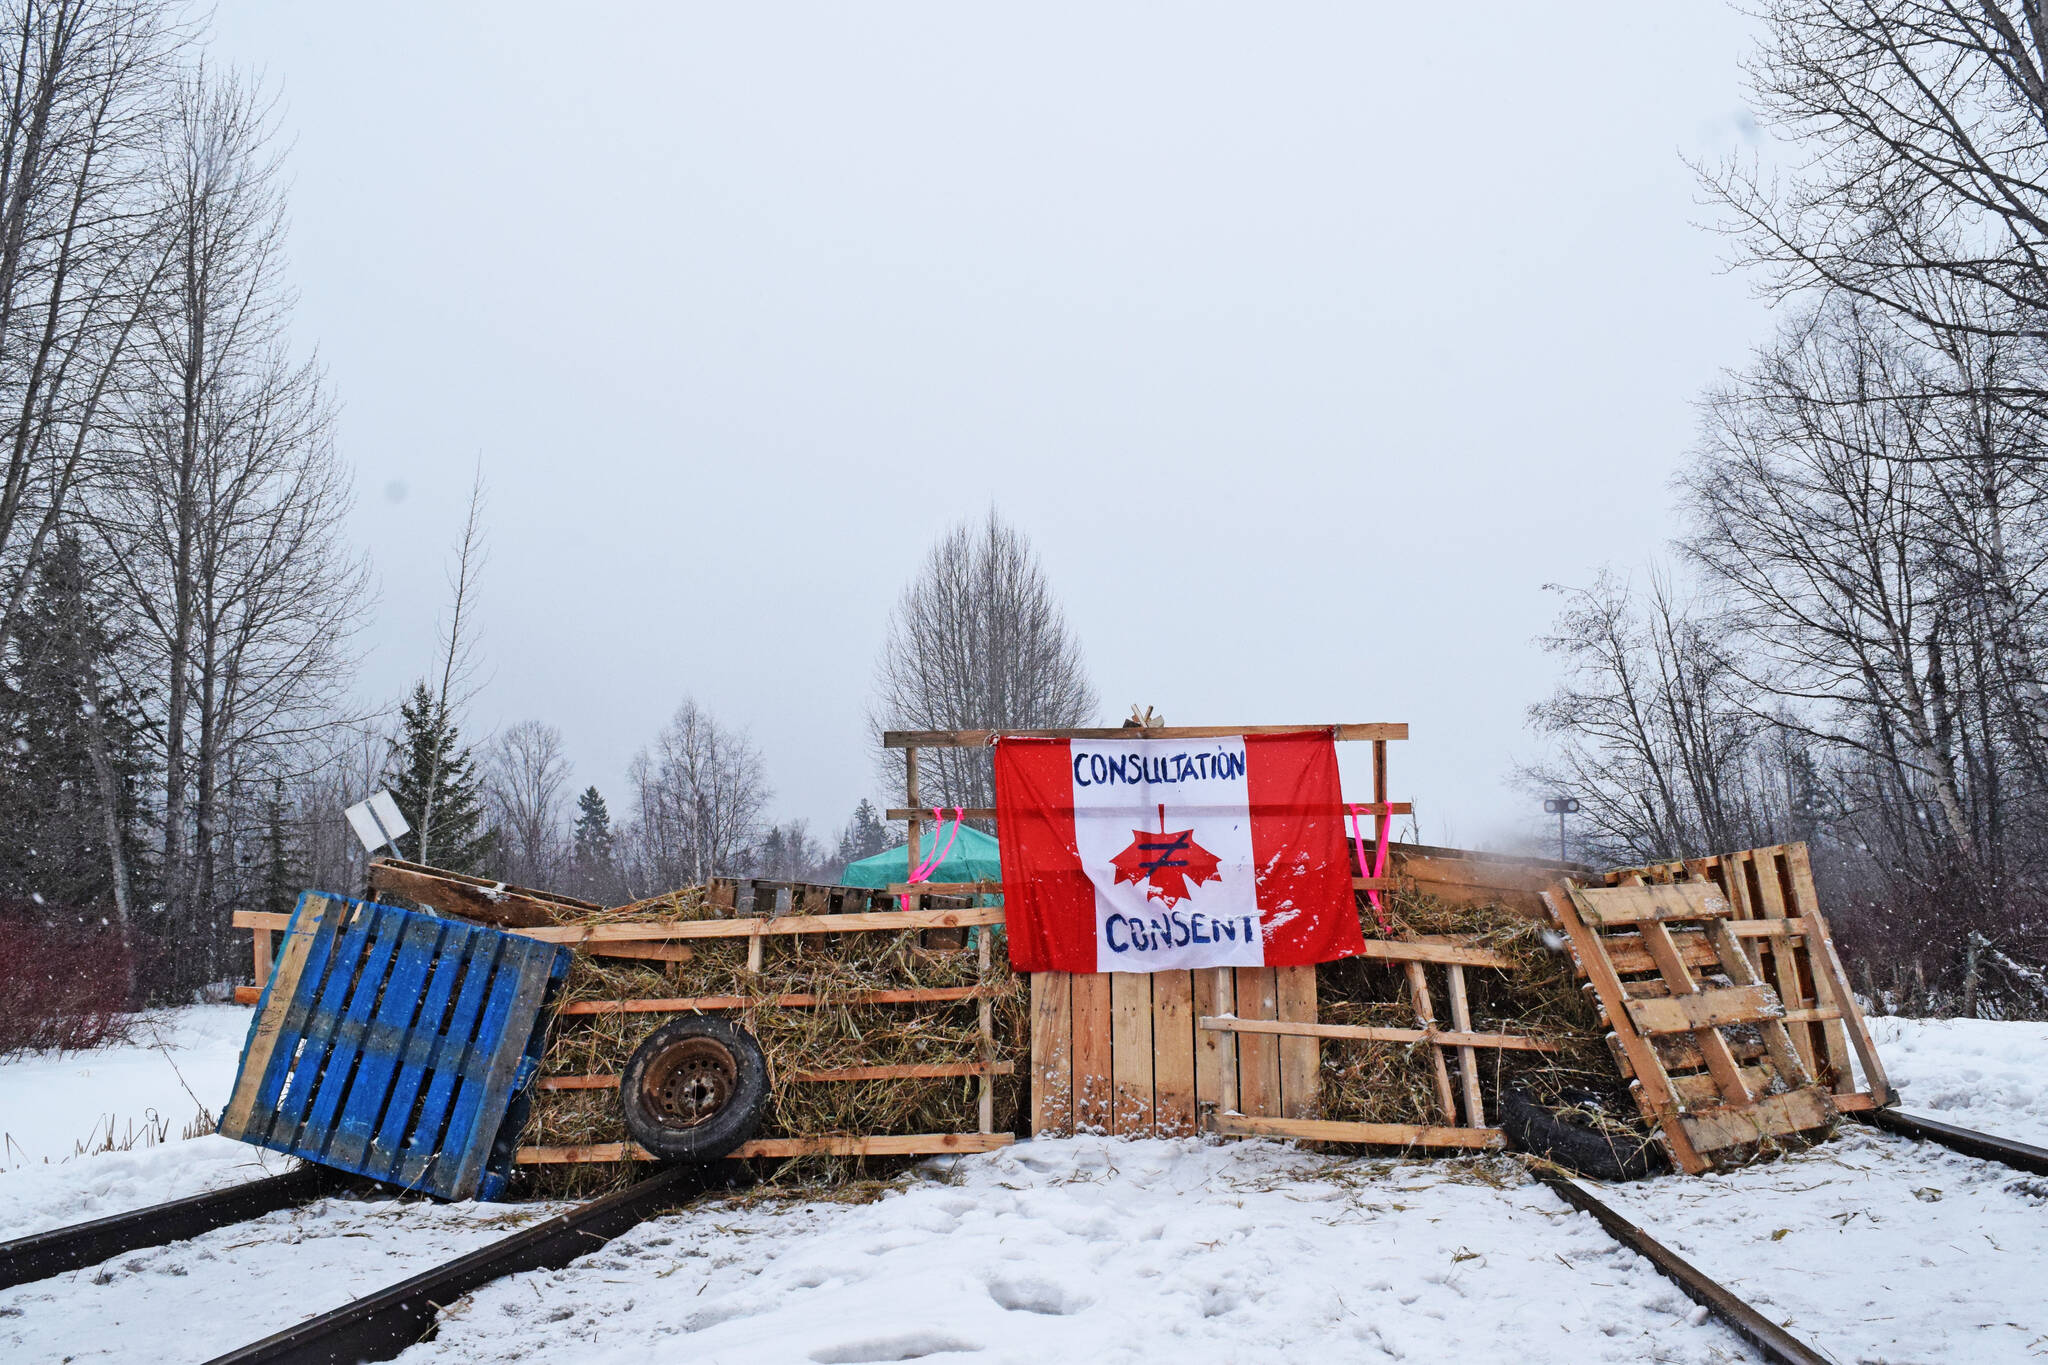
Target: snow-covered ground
[1873,1247]
[52,1108]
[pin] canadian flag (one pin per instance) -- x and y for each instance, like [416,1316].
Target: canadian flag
[1146,855]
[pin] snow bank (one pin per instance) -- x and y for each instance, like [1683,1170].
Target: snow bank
[52,1107]
[1089,1249]
[1986,1074]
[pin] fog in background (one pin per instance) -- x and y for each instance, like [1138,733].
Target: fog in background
[1305,342]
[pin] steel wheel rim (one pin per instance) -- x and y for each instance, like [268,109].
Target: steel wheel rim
[688,1082]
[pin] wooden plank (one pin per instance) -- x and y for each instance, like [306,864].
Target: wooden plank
[647,952]
[985,1106]
[975,739]
[1131,1107]
[1704,1010]
[1653,1085]
[1376,1134]
[913,851]
[984,887]
[1720,1061]
[1795,1111]
[1397,950]
[451,1052]
[1052,1054]
[473,898]
[1425,1015]
[1827,963]
[261,945]
[1509,1042]
[1699,1090]
[1092,1052]
[287,987]
[1790,1062]
[1617,905]
[248,995]
[388,927]
[382,1050]
[1791,929]
[1258,1055]
[908,1144]
[1627,955]
[1301,1055]
[1770,906]
[1215,1051]
[902,1071]
[1173,1053]
[923,995]
[1468,1058]
[883,921]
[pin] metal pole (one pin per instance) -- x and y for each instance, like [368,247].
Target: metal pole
[1560,835]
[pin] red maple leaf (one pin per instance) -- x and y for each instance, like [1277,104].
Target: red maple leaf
[1168,859]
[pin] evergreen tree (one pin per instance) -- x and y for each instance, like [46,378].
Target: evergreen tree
[281,880]
[865,835]
[437,788]
[593,829]
[71,759]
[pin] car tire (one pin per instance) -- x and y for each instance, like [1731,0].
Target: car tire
[694,1089]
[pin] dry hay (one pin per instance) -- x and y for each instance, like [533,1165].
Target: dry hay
[831,966]
[1374,1082]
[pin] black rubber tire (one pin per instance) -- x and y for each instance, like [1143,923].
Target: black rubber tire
[739,1083]
[1540,1130]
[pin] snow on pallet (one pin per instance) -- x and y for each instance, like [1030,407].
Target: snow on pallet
[391,1043]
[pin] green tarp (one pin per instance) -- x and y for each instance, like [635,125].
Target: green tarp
[972,858]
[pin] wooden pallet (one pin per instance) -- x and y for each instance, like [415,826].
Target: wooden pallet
[1779,920]
[391,1043]
[1673,978]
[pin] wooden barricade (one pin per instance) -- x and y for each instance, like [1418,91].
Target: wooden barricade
[1126,1053]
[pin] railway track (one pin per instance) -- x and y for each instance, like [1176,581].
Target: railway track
[380,1325]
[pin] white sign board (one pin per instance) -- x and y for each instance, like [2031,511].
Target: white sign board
[377,821]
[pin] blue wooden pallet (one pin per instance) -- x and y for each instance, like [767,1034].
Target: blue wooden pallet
[392,1044]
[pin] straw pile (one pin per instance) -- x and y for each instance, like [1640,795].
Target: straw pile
[795,1040]
[1374,1082]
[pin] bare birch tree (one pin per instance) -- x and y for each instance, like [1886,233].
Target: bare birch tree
[82,95]
[977,641]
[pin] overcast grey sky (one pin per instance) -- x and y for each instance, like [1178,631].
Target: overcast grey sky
[1306,342]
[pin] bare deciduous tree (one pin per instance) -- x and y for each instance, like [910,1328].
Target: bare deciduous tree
[977,641]
[82,95]
[526,772]
[700,792]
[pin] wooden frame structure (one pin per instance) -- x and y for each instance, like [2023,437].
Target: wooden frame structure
[1236,1051]
[674,936]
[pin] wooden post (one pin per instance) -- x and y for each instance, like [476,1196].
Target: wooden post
[1425,1014]
[1468,1058]
[915,842]
[986,934]
[1379,773]
[262,957]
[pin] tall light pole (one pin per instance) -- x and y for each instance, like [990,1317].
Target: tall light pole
[1561,806]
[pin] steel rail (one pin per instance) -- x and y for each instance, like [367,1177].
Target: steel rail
[2020,1156]
[60,1250]
[381,1324]
[1777,1344]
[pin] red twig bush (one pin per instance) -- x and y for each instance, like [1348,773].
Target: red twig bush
[64,980]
